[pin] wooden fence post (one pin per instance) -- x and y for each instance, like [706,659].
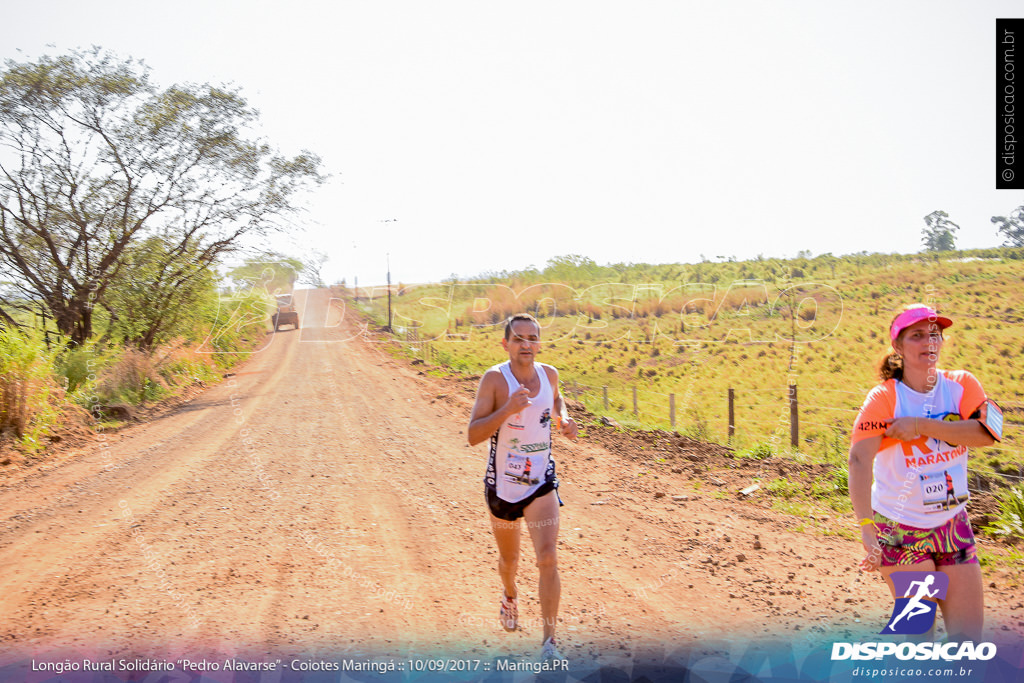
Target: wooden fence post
[794,424]
[635,411]
[672,410]
[732,413]
[605,391]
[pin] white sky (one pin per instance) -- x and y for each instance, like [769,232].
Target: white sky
[500,135]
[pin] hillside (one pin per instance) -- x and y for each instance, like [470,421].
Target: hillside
[689,333]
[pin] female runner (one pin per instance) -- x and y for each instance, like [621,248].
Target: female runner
[908,467]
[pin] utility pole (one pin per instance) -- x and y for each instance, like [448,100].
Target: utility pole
[389,220]
[355,278]
[389,291]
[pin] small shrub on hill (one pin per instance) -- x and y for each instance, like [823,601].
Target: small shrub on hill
[1010,523]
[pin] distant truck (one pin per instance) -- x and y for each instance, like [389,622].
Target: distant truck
[286,313]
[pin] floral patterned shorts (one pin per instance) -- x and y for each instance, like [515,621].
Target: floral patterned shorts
[950,543]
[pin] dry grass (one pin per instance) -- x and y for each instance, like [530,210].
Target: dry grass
[629,336]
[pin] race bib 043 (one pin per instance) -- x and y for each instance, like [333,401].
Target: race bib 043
[519,469]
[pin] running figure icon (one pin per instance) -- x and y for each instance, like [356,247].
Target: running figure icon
[915,607]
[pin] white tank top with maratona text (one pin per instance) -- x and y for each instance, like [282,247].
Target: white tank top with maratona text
[922,482]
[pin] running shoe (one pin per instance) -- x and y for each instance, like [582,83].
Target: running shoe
[509,613]
[550,653]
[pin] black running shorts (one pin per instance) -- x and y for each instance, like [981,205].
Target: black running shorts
[502,509]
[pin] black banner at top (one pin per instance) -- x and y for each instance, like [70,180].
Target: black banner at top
[1009,116]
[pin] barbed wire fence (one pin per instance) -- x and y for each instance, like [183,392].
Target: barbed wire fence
[816,419]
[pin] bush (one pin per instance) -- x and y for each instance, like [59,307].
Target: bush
[29,397]
[233,322]
[130,376]
[698,430]
[181,365]
[133,378]
[1010,523]
[784,488]
[73,367]
[841,478]
[758,451]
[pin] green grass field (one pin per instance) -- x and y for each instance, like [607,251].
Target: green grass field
[655,331]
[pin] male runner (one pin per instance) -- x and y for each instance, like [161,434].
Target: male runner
[514,407]
[951,500]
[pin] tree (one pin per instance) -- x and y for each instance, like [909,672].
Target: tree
[830,261]
[156,294]
[312,269]
[270,271]
[1012,227]
[937,234]
[571,267]
[95,160]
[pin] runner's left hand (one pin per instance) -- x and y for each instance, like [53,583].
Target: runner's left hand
[869,538]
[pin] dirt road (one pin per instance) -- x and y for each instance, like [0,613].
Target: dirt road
[323,500]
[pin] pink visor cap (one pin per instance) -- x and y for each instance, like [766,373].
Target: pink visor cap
[916,314]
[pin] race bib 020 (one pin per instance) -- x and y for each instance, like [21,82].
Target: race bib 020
[945,489]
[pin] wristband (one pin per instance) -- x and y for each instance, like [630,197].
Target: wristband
[866,521]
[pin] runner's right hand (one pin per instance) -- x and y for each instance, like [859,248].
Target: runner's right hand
[869,538]
[517,400]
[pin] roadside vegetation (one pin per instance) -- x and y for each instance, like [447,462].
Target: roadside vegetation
[47,385]
[119,203]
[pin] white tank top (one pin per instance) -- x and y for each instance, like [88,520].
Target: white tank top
[520,457]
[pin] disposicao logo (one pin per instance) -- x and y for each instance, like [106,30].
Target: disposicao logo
[947,652]
[914,612]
